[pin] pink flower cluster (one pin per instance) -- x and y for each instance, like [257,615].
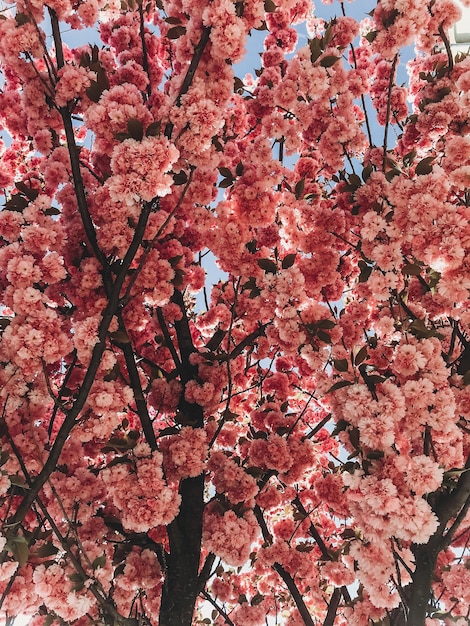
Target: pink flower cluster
[184,455]
[141,496]
[229,536]
[231,480]
[140,169]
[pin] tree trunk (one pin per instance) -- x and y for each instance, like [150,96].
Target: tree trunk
[425,557]
[181,587]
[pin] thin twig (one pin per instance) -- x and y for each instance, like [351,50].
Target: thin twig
[219,609]
[389,106]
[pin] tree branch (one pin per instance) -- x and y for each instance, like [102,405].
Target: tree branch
[286,577]
[188,79]
[140,403]
[75,161]
[219,609]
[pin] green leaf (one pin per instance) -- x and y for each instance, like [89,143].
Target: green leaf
[412,269]
[226,182]
[239,169]
[181,178]
[315,49]
[94,91]
[18,481]
[225,172]
[325,324]
[367,171]
[52,211]
[99,562]
[409,158]
[47,549]
[288,261]
[340,365]
[251,247]
[341,425]
[4,322]
[392,173]
[29,192]
[153,129]
[339,385]
[257,599]
[135,129]
[325,337]
[217,145]
[176,32]
[85,60]
[170,430]
[119,460]
[329,61]
[112,374]
[19,548]
[304,546]
[22,18]
[238,85]
[268,266]
[121,136]
[371,35]
[269,6]
[366,271]
[419,329]
[172,20]
[17,202]
[354,181]
[120,336]
[328,35]
[299,188]
[361,356]
[424,166]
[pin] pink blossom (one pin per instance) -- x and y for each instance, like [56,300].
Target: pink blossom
[139,169]
[72,83]
[229,536]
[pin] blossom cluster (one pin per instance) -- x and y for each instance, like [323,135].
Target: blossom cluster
[306,434]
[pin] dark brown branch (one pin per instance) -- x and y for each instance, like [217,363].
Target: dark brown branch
[188,79]
[333,607]
[389,105]
[446,42]
[206,570]
[456,525]
[59,50]
[75,161]
[198,50]
[218,608]
[140,403]
[168,340]
[160,232]
[98,349]
[312,530]
[241,346]
[319,426]
[449,505]
[145,58]
[295,593]
[61,391]
[284,575]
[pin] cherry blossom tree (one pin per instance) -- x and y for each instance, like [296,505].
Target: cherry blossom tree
[291,444]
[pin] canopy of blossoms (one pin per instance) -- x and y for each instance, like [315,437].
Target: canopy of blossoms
[291,444]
